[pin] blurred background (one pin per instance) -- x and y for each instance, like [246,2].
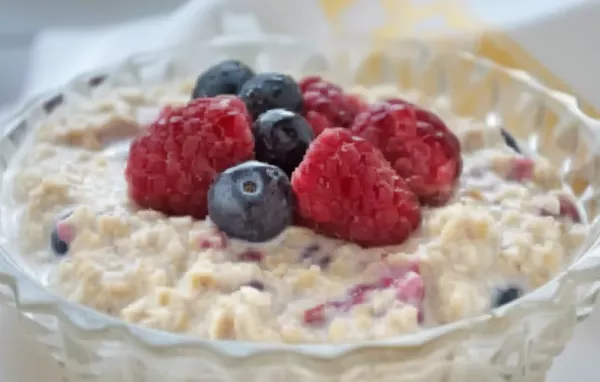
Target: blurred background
[45,42]
[22,20]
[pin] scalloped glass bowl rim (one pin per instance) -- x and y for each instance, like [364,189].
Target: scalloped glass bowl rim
[153,338]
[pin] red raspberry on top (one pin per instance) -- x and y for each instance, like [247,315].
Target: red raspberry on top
[172,165]
[347,190]
[317,121]
[308,81]
[419,146]
[330,101]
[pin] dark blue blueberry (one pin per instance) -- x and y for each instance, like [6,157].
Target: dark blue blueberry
[507,294]
[226,77]
[510,140]
[268,91]
[252,201]
[58,246]
[281,138]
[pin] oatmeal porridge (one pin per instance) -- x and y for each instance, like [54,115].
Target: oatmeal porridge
[474,223]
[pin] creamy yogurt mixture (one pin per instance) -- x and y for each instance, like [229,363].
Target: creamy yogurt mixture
[504,228]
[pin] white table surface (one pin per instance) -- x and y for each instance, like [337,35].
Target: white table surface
[22,360]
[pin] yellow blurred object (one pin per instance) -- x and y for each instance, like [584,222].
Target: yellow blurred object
[403,17]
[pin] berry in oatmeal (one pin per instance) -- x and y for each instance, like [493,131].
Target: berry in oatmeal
[407,288]
[281,138]
[418,145]
[506,295]
[252,201]
[226,77]
[268,91]
[520,169]
[566,209]
[61,235]
[171,166]
[347,190]
[59,244]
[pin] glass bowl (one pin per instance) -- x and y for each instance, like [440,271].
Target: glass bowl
[514,343]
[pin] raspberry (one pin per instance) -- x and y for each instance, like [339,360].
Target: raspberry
[408,287]
[307,81]
[330,100]
[347,190]
[419,146]
[317,121]
[171,167]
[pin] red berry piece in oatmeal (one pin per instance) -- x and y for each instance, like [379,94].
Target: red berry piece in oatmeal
[567,209]
[521,169]
[418,145]
[61,235]
[347,190]
[216,240]
[172,165]
[329,101]
[252,256]
[409,288]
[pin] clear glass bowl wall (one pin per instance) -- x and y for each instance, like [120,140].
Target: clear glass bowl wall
[513,343]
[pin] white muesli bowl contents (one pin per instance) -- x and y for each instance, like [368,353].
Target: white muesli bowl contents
[145,297]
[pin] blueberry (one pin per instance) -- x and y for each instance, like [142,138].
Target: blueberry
[268,91]
[252,201]
[226,77]
[59,246]
[505,295]
[510,140]
[281,138]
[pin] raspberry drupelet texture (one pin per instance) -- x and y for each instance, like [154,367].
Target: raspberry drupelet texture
[330,101]
[419,146]
[347,190]
[172,165]
[317,121]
